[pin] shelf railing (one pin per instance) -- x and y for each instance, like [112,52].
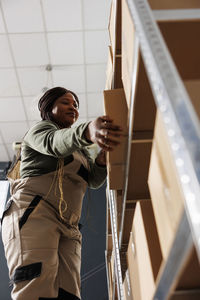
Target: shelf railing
[183,129]
[180,120]
[117,263]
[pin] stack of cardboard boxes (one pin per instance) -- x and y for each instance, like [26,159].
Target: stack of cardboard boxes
[155,201]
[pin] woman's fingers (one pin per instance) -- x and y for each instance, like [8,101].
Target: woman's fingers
[108,133]
[103,132]
[107,123]
[104,146]
[111,126]
[105,119]
[104,139]
[109,138]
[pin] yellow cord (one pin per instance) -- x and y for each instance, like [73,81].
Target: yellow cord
[14,173]
[58,179]
[62,202]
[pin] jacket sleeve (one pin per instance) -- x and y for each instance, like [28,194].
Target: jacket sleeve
[46,138]
[97,174]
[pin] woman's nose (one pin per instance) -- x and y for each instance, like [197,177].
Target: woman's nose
[72,107]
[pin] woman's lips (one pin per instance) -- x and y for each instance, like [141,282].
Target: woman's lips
[71,114]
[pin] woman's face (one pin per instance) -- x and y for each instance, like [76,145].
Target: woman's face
[65,110]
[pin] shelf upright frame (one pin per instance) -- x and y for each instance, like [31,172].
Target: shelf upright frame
[183,129]
[117,262]
[176,14]
[107,275]
[112,201]
[114,2]
[180,120]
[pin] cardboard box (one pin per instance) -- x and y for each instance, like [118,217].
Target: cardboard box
[116,108]
[115,40]
[178,35]
[114,27]
[110,284]
[127,287]
[186,295]
[193,89]
[109,243]
[174,4]
[133,269]
[187,283]
[182,40]
[128,221]
[118,203]
[144,254]
[118,72]
[144,105]
[128,218]
[166,194]
[138,171]
[115,176]
[128,37]
[168,204]
[111,275]
[109,229]
[190,275]
[109,70]
[112,264]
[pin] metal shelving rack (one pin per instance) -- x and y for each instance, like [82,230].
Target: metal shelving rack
[183,128]
[113,213]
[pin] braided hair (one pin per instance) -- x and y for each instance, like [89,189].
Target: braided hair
[47,101]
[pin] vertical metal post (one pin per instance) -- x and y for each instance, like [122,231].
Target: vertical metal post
[130,134]
[180,120]
[107,276]
[114,48]
[118,272]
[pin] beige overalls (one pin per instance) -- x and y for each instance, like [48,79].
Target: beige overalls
[43,251]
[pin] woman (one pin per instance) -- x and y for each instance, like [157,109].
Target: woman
[40,225]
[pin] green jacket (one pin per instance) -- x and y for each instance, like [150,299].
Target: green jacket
[45,143]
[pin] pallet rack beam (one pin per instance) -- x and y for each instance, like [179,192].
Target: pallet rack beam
[176,14]
[183,129]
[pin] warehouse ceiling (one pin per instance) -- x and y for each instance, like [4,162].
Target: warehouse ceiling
[47,43]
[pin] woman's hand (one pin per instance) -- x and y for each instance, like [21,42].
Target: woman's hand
[103,132]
